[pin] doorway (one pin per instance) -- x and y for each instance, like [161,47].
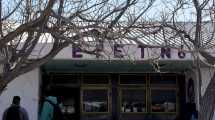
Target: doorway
[70,99]
[67,89]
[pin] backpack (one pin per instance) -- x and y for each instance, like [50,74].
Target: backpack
[57,114]
[13,113]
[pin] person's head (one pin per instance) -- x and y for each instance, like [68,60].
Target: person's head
[16,100]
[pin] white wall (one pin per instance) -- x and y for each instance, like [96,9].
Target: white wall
[207,74]
[27,87]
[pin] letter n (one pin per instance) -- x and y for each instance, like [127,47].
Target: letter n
[165,52]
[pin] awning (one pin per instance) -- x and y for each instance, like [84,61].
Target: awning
[114,66]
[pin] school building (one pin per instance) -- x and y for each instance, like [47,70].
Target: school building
[129,82]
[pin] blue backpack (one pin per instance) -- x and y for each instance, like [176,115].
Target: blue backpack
[57,114]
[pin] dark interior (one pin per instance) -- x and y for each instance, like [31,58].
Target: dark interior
[81,93]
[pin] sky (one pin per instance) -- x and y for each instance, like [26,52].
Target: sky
[159,8]
[187,13]
[165,7]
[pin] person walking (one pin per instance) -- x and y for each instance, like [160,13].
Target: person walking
[51,109]
[15,111]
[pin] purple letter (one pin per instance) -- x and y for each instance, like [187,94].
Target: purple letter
[166,51]
[118,52]
[181,54]
[75,51]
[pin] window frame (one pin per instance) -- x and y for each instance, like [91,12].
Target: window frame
[133,74]
[165,89]
[85,84]
[77,81]
[148,86]
[95,88]
[132,88]
[163,85]
[160,87]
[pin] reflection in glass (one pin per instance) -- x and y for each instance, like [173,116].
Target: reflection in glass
[95,100]
[68,106]
[133,100]
[163,101]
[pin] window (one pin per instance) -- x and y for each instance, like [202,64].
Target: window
[65,79]
[132,79]
[95,100]
[133,100]
[161,90]
[132,93]
[95,79]
[163,100]
[163,79]
[163,93]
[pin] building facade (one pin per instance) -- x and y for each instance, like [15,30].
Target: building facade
[126,83]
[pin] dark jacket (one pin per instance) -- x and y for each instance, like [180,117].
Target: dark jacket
[22,112]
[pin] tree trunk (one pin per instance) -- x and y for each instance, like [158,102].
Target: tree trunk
[207,101]
[3,85]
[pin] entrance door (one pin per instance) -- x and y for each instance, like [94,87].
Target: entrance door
[66,88]
[70,99]
[71,103]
